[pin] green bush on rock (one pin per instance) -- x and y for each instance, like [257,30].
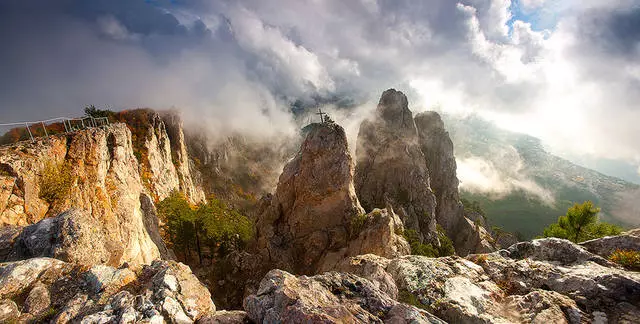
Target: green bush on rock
[55,182]
[581,224]
[417,248]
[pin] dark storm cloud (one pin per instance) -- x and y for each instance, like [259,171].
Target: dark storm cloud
[617,33]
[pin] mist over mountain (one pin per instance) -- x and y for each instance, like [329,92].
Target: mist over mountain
[523,187]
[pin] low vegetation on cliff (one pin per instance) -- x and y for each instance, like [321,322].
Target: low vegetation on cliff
[55,181]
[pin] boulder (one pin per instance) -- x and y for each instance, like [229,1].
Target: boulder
[9,311]
[379,233]
[63,292]
[73,236]
[391,167]
[328,298]
[605,246]
[226,317]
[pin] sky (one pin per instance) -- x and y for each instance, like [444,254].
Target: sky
[566,71]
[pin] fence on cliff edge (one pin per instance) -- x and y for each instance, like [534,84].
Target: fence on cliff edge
[19,131]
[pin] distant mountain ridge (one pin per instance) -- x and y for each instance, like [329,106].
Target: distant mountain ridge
[522,211]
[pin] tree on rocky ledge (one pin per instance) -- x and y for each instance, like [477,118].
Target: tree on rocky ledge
[212,227]
[581,224]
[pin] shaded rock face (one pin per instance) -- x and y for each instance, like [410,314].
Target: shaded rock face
[437,147]
[187,174]
[315,206]
[64,293]
[546,280]
[391,167]
[105,184]
[329,298]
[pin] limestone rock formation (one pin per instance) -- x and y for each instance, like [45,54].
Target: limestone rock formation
[468,235]
[187,174]
[162,174]
[314,208]
[328,298]
[103,181]
[391,167]
[437,147]
[546,280]
[378,232]
[65,293]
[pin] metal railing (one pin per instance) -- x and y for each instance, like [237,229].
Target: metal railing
[70,125]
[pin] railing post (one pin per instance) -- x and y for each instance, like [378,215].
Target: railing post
[45,129]
[30,135]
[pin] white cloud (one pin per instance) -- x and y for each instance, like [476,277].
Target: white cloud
[532,4]
[478,175]
[574,86]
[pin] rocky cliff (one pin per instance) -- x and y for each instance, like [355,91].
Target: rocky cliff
[189,181]
[94,171]
[409,163]
[468,235]
[391,167]
[314,212]
[110,176]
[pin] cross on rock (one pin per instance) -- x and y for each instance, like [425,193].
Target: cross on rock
[321,115]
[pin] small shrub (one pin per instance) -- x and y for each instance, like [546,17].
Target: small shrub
[357,224]
[480,259]
[629,259]
[446,245]
[55,182]
[417,248]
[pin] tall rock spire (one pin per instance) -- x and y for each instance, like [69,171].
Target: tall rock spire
[391,167]
[314,219]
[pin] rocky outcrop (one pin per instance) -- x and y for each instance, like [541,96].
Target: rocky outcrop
[546,280]
[604,247]
[468,235]
[73,236]
[391,167]
[187,174]
[103,183]
[379,233]
[315,212]
[44,289]
[328,298]
[437,147]
[314,203]
[162,174]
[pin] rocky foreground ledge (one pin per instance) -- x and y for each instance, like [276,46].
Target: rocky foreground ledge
[545,280]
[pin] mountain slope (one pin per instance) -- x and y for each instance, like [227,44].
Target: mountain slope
[529,187]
